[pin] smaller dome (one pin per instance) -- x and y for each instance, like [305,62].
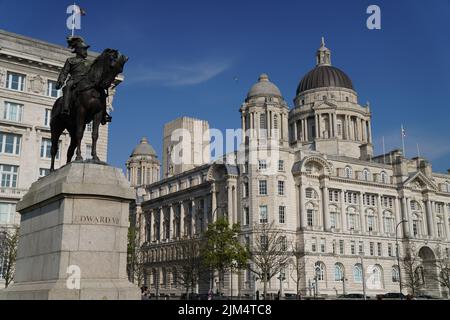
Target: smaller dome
[264,88]
[143,149]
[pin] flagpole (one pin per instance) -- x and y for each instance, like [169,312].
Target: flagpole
[403,141]
[73,18]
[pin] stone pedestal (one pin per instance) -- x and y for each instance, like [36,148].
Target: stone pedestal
[73,236]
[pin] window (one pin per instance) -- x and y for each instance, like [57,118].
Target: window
[310,217]
[319,269]
[380,249]
[371,248]
[376,277]
[370,223]
[387,202]
[440,230]
[89,127]
[263,188]
[357,273]
[47,117]
[13,112]
[88,155]
[361,247]
[322,245]
[7,213]
[390,252]
[246,190]
[263,218]
[282,214]
[275,122]
[338,272]
[314,245]
[10,143]
[366,175]
[9,176]
[348,172]
[333,218]
[334,246]
[414,205]
[351,197]
[262,164]
[415,227]
[264,241]
[283,243]
[280,165]
[281,188]
[262,121]
[352,247]
[310,194]
[388,223]
[46,146]
[15,81]
[369,199]
[395,274]
[51,89]
[341,247]
[333,195]
[246,216]
[43,172]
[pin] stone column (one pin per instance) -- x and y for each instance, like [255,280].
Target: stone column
[407,227]
[172,222]
[326,214]
[193,218]
[398,217]
[343,212]
[446,215]
[370,132]
[161,235]
[330,126]
[317,126]
[182,218]
[230,203]
[150,223]
[295,134]
[380,215]
[243,127]
[303,219]
[214,204]
[205,212]
[361,213]
[430,220]
[335,133]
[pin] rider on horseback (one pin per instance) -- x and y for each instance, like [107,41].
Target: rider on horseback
[77,67]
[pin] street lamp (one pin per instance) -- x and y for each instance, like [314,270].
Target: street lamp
[398,257]
[281,277]
[361,255]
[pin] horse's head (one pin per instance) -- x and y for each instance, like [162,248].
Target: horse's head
[106,67]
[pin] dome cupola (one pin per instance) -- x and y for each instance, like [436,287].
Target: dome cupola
[264,88]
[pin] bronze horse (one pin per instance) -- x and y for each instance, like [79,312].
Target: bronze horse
[88,104]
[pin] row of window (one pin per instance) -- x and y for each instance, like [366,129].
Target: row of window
[375,249]
[263,191]
[264,215]
[374,274]
[366,175]
[16,81]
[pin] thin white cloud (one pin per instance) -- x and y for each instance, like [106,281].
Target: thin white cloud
[178,74]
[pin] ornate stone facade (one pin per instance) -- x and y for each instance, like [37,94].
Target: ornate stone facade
[331,196]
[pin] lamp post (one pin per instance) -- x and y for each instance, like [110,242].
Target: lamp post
[281,277]
[398,257]
[361,255]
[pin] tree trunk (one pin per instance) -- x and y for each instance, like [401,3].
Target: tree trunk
[265,287]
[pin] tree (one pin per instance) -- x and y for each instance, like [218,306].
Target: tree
[188,264]
[135,258]
[222,250]
[269,252]
[442,266]
[299,265]
[8,251]
[413,271]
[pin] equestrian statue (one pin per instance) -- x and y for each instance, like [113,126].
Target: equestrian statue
[85,89]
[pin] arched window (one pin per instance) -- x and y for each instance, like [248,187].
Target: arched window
[384,177]
[352,219]
[311,194]
[371,220]
[357,273]
[310,215]
[262,121]
[319,269]
[440,229]
[366,175]
[395,274]
[416,222]
[348,172]
[338,272]
[275,121]
[334,217]
[376,277]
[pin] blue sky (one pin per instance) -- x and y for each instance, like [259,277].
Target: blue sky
[185,56]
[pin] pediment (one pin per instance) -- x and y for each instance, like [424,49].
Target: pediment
[325,105]
[419,181]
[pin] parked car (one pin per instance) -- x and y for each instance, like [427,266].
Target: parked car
[425,297]
[353,296]
[391,296]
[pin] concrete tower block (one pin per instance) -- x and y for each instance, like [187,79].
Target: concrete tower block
[73,237]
